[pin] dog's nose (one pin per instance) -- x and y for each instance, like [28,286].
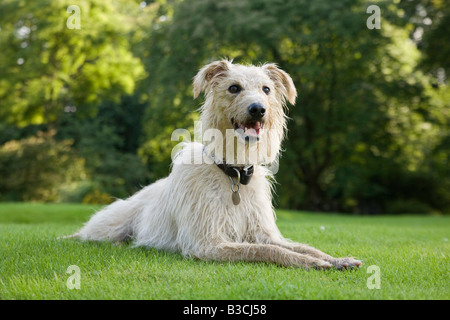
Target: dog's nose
[256,110]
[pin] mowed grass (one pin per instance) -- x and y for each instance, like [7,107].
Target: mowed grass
[412,253]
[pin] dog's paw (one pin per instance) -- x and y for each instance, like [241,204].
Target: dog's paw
[321,265]
[346,263]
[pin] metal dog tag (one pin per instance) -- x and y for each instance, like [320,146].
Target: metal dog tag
[236,198]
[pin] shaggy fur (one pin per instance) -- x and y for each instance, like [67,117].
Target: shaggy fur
[191,210]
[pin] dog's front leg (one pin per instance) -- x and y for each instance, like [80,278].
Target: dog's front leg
[266,253]
[338,263]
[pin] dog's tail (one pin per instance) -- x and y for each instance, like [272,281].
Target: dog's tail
[113,223]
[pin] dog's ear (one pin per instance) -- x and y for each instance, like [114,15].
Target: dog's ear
[282,80]
[209,74]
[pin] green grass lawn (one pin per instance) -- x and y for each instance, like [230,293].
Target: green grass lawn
[412,253]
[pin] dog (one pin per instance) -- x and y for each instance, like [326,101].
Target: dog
[216,204]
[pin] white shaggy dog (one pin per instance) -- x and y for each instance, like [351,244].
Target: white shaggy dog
[218,207]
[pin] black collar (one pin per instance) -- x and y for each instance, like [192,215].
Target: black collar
[245,173]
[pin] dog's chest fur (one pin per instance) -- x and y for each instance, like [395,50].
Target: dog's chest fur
[207,207]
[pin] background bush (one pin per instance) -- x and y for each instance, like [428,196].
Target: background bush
[36,168]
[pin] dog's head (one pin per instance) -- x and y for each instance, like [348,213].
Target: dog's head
[247,99]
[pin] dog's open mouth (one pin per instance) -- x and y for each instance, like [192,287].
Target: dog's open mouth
[248,129]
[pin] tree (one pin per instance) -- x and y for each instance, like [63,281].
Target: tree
[82,84]
[48,68]
[108,142]
[362,100]
[431,22]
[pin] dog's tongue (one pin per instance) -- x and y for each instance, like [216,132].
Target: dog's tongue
[255,126]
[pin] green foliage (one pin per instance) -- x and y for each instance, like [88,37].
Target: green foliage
[431,22]
[75,81]
[37,167]
[97,197]
[108,143]
[46,66]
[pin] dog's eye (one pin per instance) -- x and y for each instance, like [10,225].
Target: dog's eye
[235,89]
[266,90]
